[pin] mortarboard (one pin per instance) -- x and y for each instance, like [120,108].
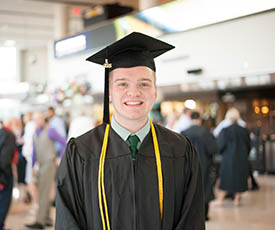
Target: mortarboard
[135,49]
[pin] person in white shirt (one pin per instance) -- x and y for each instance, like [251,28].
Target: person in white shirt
[226,123]
[184,121]
[27,152]
[80,125]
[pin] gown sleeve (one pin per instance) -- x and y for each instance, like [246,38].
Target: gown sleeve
[192,212]
[210,144]
[69,191]
[221,141]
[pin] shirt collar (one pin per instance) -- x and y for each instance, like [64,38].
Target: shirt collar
[124,133]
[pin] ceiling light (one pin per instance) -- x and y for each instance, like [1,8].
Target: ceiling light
[190,104]
[265,110]
[257,109]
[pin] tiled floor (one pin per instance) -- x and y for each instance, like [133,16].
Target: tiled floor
[256,212]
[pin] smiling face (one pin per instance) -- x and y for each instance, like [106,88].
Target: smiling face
[132,92]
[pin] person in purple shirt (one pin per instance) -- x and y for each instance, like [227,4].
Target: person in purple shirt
[44,164]
[58,124]
[56,137]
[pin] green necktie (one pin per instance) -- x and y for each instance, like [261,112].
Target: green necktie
[132,142]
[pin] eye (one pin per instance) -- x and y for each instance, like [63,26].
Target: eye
[122,84]
[144,84]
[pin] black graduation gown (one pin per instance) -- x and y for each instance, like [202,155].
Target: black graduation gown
[234,145]
[131,191]
[206,146]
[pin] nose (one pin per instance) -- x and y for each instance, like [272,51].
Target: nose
[133,91]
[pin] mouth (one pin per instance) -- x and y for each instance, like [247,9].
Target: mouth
[133,103]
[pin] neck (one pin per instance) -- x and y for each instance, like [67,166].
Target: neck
[132,126]
[196,122]
[41,127]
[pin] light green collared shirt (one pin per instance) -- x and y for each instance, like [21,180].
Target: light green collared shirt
[124,133]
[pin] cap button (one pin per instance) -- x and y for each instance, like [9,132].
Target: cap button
[107,64]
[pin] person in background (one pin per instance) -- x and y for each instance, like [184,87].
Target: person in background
[21,165]
[8,156]
[225,123]
[171,120]
[45,156]
[184,121]
[206,146]
[80,125]
[27,151]
[234,146]
[255,143]
[156,115]
[58,124]
[67,121]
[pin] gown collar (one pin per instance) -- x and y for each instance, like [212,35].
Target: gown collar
[124,133]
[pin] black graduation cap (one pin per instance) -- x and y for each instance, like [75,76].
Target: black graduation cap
[135,49]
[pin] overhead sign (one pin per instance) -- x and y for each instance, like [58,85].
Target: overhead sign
[72,45]
[82,42]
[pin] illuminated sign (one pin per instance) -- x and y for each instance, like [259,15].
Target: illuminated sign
[85,41]
[71,45]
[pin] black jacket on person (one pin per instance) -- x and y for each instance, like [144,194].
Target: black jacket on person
[131,189]
[234,145]
[7,150]
[206,146]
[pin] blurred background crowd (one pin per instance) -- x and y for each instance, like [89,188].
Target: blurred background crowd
[230,152]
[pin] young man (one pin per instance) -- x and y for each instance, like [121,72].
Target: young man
[130,174]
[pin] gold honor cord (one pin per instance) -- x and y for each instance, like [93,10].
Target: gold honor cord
[159,169]
[101,188]
[101,180]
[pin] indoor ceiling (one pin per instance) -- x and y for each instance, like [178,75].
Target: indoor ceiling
[30,23]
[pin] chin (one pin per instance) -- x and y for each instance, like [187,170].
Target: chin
[136,118]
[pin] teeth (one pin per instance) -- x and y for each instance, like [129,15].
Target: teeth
[133,103]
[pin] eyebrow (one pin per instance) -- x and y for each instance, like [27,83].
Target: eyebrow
[120,79]
[145,79]
[124,79]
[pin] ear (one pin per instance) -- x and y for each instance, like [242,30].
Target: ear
[110,96]
[156,88]
[110,86]
[156,93]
